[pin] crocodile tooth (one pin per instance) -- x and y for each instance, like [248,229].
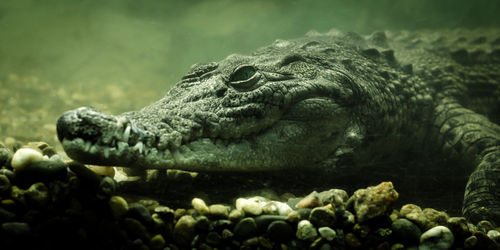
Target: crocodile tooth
[93,149]
[87,146]
[122,145]
[126,134]
[138,147]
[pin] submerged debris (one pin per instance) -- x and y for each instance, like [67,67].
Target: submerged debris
[68,205]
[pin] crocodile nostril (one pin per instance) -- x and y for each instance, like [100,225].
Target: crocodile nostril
[221,92]
[64,123]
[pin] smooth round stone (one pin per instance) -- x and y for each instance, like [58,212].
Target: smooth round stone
[6,215]
[236,215]
[184,230]
[436,238]
[245,228]
[4,183]
[293,217]
[327,233]
[200,206]
[118,206]
[322,217]
[202,223]
[219,211]
[9,173]
[406,231]
[16,228]
[23,157]
[37,194]
[306,231]
[42,171]
[213,238]
[494,235]
[157,242]
[485,226]
[136,229]
[107,187]
[280,231]
[263,221]
[140,212]
[470,242]
[5,155]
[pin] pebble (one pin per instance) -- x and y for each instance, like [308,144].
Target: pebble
[6,215]
[276,208]
[459,228]
[213,238]
[336,197]
[434,217]
[263,221]
[157,242]
[202,223]
[139,212]
[322,217]
[5,155]
[17,194]
[107,187]
[200,206]
[44,171]
[327,233]
[249,206]
[470,242]
[293,217]
[280,231]
[219,211]
[245,228]
[494,235]
[9,173]
[236,215]
[306,231]
[436,238]
[485,226]
[352,241]
[414,213]
[37,194]
[118,206]
[136,229]
[4,184]
[406,231]
[24,156]
[16,228]
[184,230]
[373,201]
[312,200]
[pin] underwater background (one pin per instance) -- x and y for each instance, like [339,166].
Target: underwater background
[122,55]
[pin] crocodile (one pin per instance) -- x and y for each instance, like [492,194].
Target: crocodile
[319,101]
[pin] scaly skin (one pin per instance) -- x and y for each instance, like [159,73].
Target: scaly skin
[319,101]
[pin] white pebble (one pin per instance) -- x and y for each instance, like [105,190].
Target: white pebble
[24,156]
[249,206]
[200,206]
[436,238]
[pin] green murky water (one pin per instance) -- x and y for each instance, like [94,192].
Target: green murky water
[122,55]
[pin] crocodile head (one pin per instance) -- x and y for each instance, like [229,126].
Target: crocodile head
[286,106]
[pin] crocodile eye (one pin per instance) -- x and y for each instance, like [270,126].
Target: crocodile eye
[244,77]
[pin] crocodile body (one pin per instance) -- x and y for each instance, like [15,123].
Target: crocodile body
[319,101]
